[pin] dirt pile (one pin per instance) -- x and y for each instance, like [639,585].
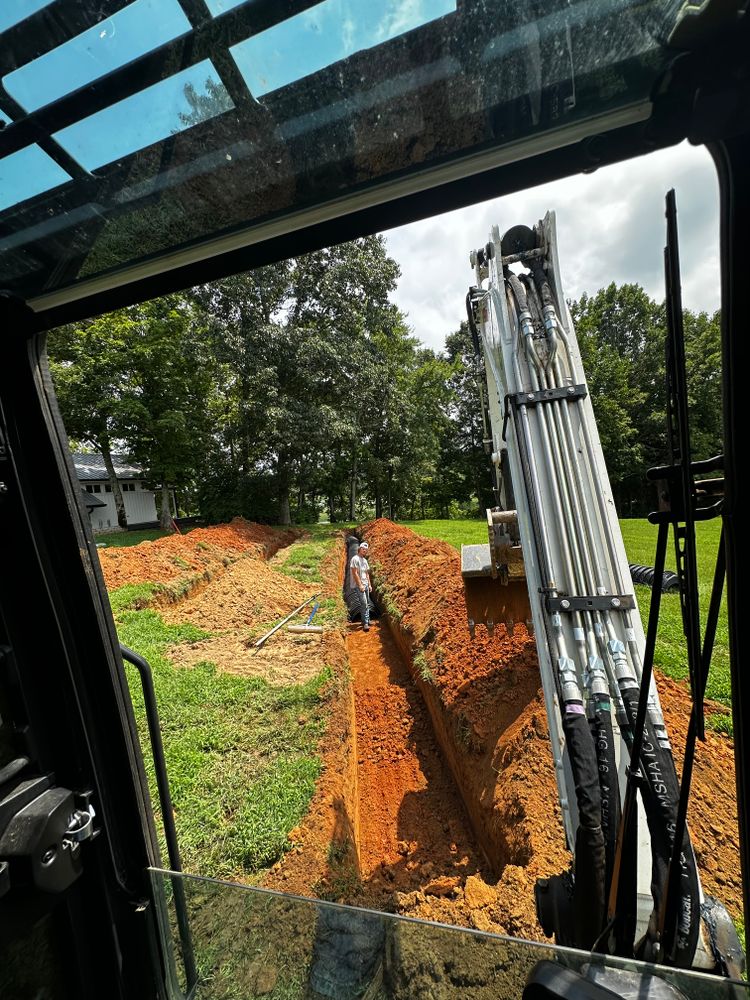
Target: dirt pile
[203,551]
[249,593]
[243,603]
[485,702]
[712,813]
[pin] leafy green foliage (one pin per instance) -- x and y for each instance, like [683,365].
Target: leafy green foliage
[299,387]
[141,377]
[621,332]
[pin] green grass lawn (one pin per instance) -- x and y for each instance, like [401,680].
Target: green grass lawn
[119,539]
[640,545]
[241,755]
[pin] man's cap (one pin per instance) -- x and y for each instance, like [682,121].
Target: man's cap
[364,545]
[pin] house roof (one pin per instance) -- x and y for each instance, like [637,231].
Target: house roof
[91,500]
[92,467]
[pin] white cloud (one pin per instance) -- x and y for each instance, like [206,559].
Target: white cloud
[610,227]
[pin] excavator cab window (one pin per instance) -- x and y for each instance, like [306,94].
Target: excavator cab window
[151,145]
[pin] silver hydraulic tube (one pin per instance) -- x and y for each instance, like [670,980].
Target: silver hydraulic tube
[586,653]
[617,584]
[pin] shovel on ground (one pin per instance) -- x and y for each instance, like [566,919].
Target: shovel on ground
[319,628]
[307,627]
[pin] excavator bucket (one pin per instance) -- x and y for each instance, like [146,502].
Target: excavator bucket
[492,600]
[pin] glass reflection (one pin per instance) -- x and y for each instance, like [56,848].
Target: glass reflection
[185,99]
[27,173]
[323,35]
[113,42]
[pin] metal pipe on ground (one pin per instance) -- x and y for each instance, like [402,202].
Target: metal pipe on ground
[289,617]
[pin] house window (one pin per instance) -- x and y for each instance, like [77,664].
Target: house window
[128,487]
[89,489]
[107,489]
[96,488]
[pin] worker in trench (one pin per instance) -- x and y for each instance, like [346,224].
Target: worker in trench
[359,569]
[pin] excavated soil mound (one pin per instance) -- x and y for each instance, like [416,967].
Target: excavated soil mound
[712,813]
[202,551]
[485,702]
[242,604]
[249,593]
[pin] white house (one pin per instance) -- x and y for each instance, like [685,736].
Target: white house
[140,502]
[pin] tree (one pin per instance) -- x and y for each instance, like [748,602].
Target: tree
[703,364]
[466,464]
[622,335]
[138,376]
[169,400]
[89,369]
[296,344]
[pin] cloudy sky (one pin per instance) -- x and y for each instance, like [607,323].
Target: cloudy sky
[610,227]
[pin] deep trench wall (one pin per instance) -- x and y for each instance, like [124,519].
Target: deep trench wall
[490,719]
[484,699]
[324,856]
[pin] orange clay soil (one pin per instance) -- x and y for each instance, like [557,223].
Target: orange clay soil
[414,831]
[485,703]
[201,552]
[248,593]
[242,604]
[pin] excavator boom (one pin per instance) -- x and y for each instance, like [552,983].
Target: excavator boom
[555,562]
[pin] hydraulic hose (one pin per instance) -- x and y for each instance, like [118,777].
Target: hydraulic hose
[660,788]
[472,325]
[604,742]
[589,894]
[660,793]
[589,897]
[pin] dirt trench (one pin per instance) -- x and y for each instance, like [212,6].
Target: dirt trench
[414,833]
[485,703]
[445,831]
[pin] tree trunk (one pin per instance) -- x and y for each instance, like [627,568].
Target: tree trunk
[165,515]
[378,502]
[285,513]
[284,484]
[353,490]
[106,451]
[331,509]
[390,492]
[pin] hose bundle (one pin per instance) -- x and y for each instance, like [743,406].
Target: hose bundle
[645,574]
[550,450]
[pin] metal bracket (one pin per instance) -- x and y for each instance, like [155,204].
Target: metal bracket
[541,396]
[547,395]
[599,602]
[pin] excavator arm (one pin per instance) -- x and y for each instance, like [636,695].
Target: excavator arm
[555,561]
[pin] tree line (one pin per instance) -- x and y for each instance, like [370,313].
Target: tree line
[298,388]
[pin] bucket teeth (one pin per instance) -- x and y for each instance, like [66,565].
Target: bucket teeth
[490,602]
